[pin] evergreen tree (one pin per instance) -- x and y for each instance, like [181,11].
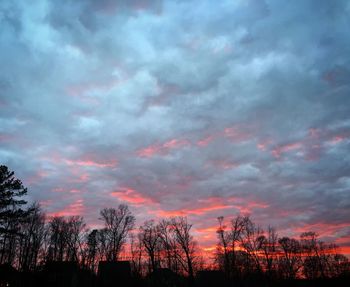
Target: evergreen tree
[11,213]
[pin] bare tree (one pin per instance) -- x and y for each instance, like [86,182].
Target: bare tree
[166,241]
[317,256]
[168,245]
[149,237]
[58,230]
[118,223]
[268,245]
[339,265]
[290,261]
[32,235]
[136,251]
[230,256]
[66,238]
[186,244]
[251,241]
[223,247]
[75,238]
[91,250]
[238,225]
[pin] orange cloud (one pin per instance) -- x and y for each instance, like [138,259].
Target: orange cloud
[210,249]
[345,250]
[344,244]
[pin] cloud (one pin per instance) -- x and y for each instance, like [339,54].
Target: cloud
[131,196]
[181,107]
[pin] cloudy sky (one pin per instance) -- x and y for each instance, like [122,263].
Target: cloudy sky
[197,108]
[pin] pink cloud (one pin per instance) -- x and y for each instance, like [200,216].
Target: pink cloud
[75,208]
[82,178]
[224,164]
[211,229]
[211,204]
[79,90]
[311,145]
[91,163]
[264,144]
[236,134]
[246,206]
[37,177]
[77,174]
[58,189]
[204,206]
[164,93]
[74,191]
[6,137]
[162,149]
[148,151]
[205,141]
[337,139]
[278,151]
[131,196]
[322,228]
[45,203]
[314,133]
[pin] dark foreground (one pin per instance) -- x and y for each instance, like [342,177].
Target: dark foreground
[118,274]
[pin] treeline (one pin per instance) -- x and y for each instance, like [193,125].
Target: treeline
[29,240]
[245,249]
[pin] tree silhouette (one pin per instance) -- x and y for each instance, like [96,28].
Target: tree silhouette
[31,238]
[136,251]
[118,223]
[162,253]
[291,260]
[149,236]
[168,244]
[268,246]
[92,250]
[11,213]
[66,238]
[186,244]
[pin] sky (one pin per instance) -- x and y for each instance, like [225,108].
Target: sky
[191,108]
